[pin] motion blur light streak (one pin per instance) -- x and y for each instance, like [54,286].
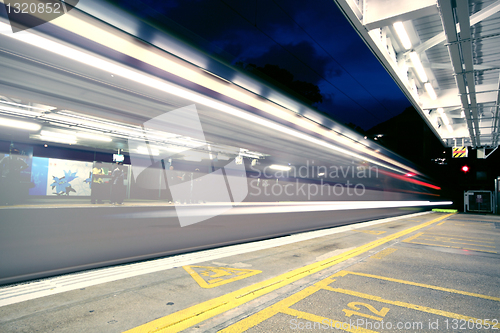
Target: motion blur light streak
[92,32]
[23,125]
[170,88]
[27,106]
[407,178]
[295,207]
[17,112]
[280,167]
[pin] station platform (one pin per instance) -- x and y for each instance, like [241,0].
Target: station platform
[423,272]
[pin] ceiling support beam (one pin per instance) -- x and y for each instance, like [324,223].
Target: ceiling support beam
[450,29]
[467,58]
[382,13]
[474,19]
[496,120]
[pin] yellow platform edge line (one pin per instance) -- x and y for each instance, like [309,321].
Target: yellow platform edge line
[195,314]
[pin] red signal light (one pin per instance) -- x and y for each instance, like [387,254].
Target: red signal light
[465,168]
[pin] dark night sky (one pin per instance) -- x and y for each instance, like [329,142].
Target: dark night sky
[311,39]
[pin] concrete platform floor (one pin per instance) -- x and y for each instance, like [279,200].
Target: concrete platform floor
[430,272]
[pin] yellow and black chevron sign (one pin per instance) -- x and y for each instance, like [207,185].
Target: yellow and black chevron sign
[459,152]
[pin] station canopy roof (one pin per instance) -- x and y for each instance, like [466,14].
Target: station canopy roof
[445,56]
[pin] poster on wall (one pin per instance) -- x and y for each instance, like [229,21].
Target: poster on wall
[66,177]
[39,173]
[53,176]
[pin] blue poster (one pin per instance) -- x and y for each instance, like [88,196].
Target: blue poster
[39,174]
[67,177]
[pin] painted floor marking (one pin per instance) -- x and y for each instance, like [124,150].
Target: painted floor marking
[195,314]
[210,277]
[437,239]
[410,283]
[420,237]
[384,253]
[459,236]
[477,226]
[413,306]
[371,232]
[284,305]
[441,223]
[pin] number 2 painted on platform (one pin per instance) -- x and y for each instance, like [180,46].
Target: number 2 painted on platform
[356,305]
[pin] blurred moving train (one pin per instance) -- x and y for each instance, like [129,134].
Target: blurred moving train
[247,162]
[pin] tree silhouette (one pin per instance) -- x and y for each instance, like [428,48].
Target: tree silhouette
[306,91]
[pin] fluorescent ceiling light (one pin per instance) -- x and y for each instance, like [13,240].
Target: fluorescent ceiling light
[93,32]
[418,66]
[145,151]
[321,174]
[403,36]
[445,119]
[92,136]
[23,125]
[65,136]
[279,167]
[57,139]
[430,91]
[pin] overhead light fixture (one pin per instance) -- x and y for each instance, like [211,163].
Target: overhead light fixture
[403,36]
[280,167]
[321,174]
[417,64]
[57,139]
[23,125]
[145,151]
[445,119]
[66,136]
[430,91]
[92,136]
